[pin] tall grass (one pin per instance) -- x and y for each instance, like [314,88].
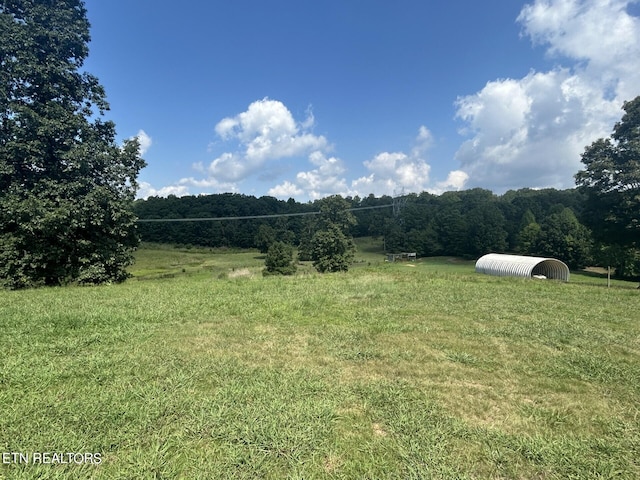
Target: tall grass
[387,371]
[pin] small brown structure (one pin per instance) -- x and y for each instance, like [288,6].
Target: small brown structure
[402,257]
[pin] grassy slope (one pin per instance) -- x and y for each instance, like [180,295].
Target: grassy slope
[389,371]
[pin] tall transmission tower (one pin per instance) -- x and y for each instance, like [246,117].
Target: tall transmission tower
[399,201]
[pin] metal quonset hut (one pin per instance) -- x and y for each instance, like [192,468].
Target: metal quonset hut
[522,266]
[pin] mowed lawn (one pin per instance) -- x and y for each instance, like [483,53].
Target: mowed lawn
[200,368]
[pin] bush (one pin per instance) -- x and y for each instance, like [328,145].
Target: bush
[332,250]
[279,260]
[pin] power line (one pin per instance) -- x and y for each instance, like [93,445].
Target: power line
[248,217]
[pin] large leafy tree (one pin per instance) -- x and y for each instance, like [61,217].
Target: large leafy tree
[265,237]
[66,187]
[562,236]
[332,248]
[611,180]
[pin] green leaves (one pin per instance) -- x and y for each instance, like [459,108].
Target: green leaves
[279,260]
[332,250]
[334,210]
[66,187]
[611,180]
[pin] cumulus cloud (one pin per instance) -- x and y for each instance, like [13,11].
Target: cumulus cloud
[531,131]
[186,186]
[391,171]
[596,31]
[285,190]
[263,137]
[146,190]
[387,173]
[424,141]
[145,142]
[326,179]
[456,180]
[208,184]
[265,132]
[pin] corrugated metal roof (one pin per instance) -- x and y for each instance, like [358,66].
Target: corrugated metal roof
[522,266]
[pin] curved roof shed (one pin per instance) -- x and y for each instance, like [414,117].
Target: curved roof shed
[522,266]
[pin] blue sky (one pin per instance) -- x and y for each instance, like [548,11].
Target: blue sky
[306,99]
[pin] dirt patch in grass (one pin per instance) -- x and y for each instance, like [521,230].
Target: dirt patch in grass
[332,463]
[378,431]
[240,273]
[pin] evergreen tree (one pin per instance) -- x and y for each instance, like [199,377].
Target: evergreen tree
[66,187]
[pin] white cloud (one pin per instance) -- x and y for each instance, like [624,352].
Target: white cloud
[456,180]
[285,190]
[310,121]
[326,179]
[531,131]
[597,31]
[231,167]
[208,184]
[267,141]
[265,132]
[146,190]
[388,173]
[184,187]
[145,142]
[391,171]
[424,141]
[225,127]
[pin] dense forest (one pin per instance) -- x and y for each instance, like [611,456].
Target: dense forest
[468,223]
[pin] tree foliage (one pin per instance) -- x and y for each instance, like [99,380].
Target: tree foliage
[66,188]
[332,248]
[265,237]
[563,236]
[467,223]
[334,210]
[611,181]
[279,260]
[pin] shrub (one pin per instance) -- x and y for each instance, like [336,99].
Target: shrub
[279,260]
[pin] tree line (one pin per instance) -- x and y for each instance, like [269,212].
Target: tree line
[468,223]
[67,188]
[597,223]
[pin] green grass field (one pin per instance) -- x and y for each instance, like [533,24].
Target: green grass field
[199,367]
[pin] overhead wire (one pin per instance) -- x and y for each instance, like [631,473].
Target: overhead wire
[249,217]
